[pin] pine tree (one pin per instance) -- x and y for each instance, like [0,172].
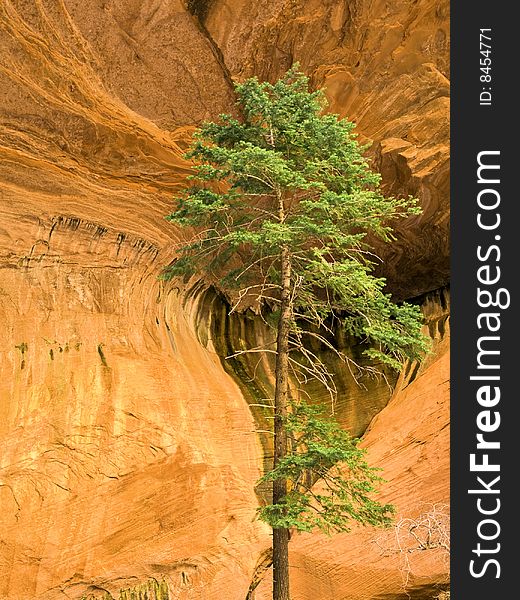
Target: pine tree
[281,203]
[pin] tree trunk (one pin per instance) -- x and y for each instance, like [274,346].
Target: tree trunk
[281,535]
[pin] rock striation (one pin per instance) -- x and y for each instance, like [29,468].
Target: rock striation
[128,449]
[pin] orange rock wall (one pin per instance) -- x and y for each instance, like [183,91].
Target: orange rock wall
[126,449]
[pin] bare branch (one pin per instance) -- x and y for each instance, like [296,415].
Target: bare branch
[427,532]
[250,351]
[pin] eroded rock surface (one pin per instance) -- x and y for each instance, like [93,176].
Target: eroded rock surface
[128,451]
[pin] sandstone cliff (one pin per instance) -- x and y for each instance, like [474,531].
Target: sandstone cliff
[127,450]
